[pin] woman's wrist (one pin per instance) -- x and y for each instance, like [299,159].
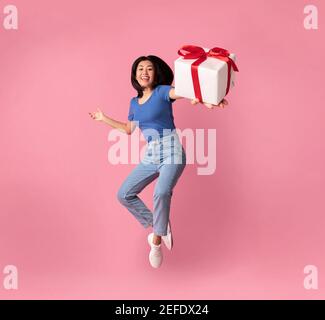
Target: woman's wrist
[104,118]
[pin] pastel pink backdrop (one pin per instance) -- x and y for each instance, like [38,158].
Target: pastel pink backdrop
[245,232]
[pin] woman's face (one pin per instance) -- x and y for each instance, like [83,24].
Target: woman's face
[145,74]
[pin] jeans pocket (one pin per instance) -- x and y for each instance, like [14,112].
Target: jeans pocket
[175,155]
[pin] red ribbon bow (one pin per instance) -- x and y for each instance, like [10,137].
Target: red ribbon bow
[194,52]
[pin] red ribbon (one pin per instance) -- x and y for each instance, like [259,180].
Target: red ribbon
[194,52]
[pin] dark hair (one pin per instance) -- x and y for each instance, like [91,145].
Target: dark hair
[163,74]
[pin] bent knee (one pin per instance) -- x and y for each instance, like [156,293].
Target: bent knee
[121,195]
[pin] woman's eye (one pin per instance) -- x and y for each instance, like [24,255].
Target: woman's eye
[142,69]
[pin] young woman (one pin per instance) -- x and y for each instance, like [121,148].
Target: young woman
[164,158]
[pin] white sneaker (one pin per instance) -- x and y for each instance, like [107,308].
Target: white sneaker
[155,255]
[168,238]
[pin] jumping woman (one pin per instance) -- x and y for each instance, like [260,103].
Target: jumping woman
[164,158]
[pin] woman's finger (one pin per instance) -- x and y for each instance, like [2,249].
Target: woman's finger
[224,102]
[194,101]
[209,105]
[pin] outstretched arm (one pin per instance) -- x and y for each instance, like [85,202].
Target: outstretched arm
[172,95]
[127,127]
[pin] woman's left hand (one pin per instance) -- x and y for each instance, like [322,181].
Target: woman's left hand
[221,104]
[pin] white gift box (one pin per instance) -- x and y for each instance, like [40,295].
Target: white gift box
[213,76]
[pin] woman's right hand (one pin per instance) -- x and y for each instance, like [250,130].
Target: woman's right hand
[221,104]
[98,115]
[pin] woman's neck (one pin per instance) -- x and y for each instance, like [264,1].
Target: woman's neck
[146,91]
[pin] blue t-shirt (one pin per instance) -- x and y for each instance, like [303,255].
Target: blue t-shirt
[154,115]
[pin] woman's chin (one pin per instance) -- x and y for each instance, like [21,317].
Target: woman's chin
[145,86]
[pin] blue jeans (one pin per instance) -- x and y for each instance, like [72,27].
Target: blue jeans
[164,158]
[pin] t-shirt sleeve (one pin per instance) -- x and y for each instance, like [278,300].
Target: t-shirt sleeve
[131,113]
[163,91]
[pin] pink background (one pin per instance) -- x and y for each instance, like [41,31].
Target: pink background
[245,232]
